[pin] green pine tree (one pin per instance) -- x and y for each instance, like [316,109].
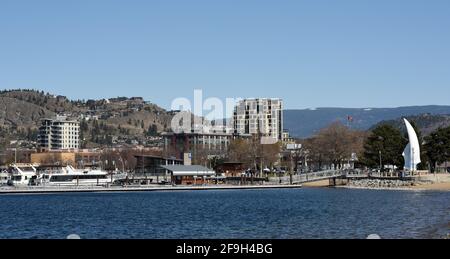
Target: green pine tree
[386,142]
[437,147]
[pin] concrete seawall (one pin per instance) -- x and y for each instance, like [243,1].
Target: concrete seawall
[37,190]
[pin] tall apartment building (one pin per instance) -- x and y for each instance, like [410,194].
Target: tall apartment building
[59,133]
[259,116]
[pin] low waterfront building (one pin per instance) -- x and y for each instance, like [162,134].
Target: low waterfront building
[287,139]
[199,144]
[61,158]
[148,168]
[77,158]
[189,174]
[231,169]
[16,155]
[88,158]
[150,164]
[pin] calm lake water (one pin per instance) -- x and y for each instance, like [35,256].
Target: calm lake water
[270,213]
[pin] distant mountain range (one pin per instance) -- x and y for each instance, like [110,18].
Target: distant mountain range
[426,123]
[307,122]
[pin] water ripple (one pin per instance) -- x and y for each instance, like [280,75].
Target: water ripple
[290,213]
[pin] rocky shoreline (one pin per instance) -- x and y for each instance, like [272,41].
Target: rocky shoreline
[381,183]
[396,184]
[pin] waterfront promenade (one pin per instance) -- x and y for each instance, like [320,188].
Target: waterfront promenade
[360,180]
[142,188]
[436,182]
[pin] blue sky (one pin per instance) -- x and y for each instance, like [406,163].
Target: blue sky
[349,53]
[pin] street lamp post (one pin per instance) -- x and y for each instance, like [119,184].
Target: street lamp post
[123,164]
[381,138]
[381,164]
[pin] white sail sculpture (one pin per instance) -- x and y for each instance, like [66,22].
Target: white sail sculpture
[412,150]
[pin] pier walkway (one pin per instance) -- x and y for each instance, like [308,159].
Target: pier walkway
[319,176]
[143,188]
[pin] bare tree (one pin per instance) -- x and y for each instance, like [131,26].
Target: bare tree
[334,145]
[254,154]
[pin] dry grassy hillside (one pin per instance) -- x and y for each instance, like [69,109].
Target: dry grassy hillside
[117,120]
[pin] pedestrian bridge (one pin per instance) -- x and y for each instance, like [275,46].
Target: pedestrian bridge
[318,176]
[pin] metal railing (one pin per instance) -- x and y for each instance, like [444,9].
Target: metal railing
[317,176]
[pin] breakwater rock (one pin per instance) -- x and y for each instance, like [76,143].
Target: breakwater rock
[380,183]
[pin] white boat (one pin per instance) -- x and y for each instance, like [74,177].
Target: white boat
[4,178]
[119,179]
[22,175]
[70,176]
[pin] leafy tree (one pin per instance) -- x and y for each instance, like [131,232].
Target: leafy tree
[152,130]
[215,161]
[95,128]
[84,125]
[32,134]
[388,142]
[437,147]
[239,151]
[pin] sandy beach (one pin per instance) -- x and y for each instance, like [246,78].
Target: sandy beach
[442,183]
[438,182]
[323,183]
[433,186]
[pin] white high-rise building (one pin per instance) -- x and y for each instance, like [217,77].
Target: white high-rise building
[262,116]
[59,133]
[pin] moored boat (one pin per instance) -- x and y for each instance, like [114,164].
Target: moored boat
[22,175]
[69,176]
[4,177]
